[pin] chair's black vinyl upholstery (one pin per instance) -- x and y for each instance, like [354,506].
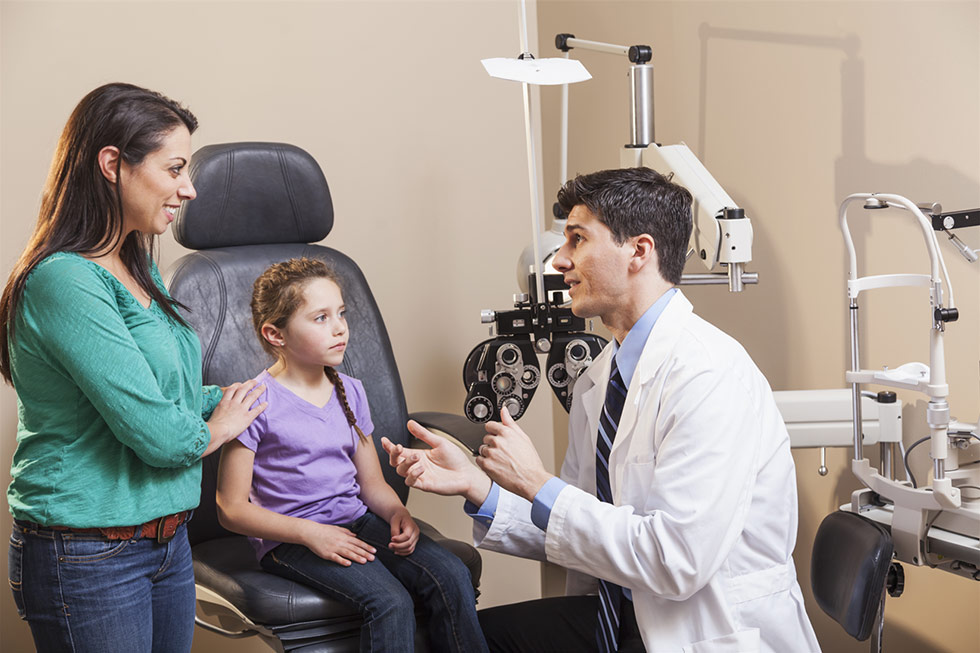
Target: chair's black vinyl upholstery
[260,203]
[848,570]
[255,194]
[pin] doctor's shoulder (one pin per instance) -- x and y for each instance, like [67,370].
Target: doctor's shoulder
[707,346]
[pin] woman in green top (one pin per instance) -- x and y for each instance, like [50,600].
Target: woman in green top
[113,417]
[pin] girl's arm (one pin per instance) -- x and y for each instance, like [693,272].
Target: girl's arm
[382,500]
[237,514]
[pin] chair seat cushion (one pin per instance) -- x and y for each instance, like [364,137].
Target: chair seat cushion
[227,566]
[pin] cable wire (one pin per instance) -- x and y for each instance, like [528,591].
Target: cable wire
[907,453]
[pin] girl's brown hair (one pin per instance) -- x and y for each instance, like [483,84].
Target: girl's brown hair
[277,294]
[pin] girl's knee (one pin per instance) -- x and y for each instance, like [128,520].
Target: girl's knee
[395,603]
[456,579]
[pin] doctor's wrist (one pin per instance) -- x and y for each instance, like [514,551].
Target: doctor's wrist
[530,488]
[479,489]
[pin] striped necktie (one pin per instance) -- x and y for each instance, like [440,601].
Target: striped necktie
[610,594]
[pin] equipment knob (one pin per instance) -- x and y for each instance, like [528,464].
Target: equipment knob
[487,316]
[478,409]
[946,314]
[513,406]
[895,583]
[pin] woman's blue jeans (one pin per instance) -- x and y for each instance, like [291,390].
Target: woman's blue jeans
[85,593]
[382,590]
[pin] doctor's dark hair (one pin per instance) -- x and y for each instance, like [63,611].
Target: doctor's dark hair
[277,294]
[634,201]
[81,210]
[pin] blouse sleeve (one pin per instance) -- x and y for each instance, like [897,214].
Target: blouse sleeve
[211,395]
[69,318]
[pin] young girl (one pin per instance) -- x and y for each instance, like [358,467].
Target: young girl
[321,512]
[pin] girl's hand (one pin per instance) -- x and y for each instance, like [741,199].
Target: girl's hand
[234,413]
[404,533]
[336,544]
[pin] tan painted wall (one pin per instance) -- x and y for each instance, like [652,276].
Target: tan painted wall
[428,174]
[792,106]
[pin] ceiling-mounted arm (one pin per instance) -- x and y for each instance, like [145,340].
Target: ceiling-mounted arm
[641,83]
[722,236]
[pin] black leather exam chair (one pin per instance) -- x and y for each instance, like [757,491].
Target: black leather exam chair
[260,203]
[851,569]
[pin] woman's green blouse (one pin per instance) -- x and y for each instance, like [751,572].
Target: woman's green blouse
[111,410]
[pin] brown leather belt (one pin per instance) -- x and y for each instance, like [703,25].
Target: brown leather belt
[163,529]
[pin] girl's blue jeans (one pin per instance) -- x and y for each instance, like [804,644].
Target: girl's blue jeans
[85,593]
[382,590]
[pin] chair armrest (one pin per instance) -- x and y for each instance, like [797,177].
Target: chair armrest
[457,427]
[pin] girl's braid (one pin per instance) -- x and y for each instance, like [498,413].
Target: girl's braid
[342,394]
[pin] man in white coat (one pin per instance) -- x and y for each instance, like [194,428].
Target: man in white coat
[693,539]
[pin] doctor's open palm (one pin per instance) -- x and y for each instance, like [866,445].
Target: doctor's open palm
[443,469]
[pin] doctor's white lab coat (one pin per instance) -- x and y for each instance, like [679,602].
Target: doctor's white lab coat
[703,520]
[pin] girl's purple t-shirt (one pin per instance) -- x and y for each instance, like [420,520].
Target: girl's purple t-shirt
[303,456]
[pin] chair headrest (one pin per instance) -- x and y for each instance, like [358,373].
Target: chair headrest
[254,193]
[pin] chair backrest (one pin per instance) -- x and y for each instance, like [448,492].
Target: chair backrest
[848,570]
[258,204]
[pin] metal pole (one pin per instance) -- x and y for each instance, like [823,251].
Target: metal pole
[856,387]
[563,159]
[641,109]
[716,279]
[598,46]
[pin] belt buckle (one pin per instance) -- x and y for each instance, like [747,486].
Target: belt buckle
[162,538]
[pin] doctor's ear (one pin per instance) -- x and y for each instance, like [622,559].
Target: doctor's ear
[109,163]
[644,252]
[273,335]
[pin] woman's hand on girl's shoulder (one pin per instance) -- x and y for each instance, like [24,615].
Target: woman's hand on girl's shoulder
[404,533]
[237,409]
[336,543]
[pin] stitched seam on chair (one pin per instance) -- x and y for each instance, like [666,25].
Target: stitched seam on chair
[229,175]
[287,182]
[222,308]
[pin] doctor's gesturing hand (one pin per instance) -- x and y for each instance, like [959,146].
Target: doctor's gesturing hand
[443,469]
[509,458]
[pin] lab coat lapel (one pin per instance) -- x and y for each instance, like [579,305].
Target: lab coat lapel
[593,383]
[658,346]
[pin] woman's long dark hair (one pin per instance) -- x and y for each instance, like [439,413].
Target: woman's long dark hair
[80,210]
